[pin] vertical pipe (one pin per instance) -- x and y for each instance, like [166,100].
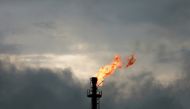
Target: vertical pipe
[94,93]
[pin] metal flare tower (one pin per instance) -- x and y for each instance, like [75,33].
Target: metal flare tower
[94,94]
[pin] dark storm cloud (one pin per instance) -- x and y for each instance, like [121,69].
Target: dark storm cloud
[38,89]
[146,94]
[43,88]
[101,28]
[109,25]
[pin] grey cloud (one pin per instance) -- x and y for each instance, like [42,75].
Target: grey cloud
[38,89]
[60,26]
[164,12]
[9,49]
[158,29]
[43,88]
[147,93]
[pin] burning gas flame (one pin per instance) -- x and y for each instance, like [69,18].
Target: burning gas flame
[109,69]
[130,60]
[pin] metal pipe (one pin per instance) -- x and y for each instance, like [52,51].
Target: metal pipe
[94,94]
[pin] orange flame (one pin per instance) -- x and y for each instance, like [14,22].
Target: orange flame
[109,69]
[130,60]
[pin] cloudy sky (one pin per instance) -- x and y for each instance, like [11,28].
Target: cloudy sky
[50,48]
